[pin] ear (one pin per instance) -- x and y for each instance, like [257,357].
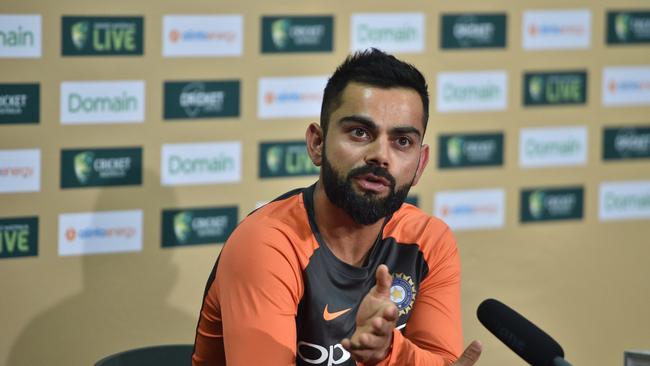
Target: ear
[315,140]
[424,159]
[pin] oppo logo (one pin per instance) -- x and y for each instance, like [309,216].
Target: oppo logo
[316,354]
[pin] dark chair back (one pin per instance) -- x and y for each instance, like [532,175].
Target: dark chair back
[166,355]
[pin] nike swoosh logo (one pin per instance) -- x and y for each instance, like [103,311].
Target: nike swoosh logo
[331,316]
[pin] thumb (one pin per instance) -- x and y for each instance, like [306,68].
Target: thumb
[383,281]
[470,355]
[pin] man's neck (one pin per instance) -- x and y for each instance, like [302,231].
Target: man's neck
[350,242]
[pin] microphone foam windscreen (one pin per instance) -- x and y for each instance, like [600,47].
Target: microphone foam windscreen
[518,333]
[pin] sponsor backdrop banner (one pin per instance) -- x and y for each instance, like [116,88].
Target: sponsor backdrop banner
[20,170]
[20,36]
[551,204]
[18,237]
[555,88]
[201,99]
[473,31]
[470,150]
[202,35]
[621,143]
[101,167]
[20,103]
[134,139]
[297,34]
[285,159]
[102,36]
[193,226]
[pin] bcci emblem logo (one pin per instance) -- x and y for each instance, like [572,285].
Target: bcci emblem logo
[80,34]
[402,292]
[83,166]
[280,32]
[182,226]
[455,150]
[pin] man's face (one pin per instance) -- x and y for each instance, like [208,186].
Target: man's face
[373,151]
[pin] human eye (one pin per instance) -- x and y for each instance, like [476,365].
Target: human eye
[359,132]
[404,141]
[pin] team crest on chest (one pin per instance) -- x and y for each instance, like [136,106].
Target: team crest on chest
[402,292]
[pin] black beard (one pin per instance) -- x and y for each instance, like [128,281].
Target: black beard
[364,209]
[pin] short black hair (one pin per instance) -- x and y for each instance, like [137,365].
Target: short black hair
[376,68]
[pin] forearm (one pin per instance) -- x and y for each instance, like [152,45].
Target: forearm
[406,353]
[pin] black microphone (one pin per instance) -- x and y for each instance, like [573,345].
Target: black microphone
[520,335]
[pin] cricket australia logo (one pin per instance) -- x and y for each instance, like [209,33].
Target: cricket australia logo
[402,292]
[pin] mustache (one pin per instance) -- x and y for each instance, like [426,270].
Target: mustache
[372,169]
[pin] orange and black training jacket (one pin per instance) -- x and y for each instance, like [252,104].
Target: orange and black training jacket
[278,296]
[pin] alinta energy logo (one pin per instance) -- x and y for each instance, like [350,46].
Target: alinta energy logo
[195,226]
[628,27]
[202,35]
[191,35]
[628,86]
[471,209]
[288,96]
[20,170]
[92,232]
[467,209]
[101,167]
[102,36]
[561,29]
[285,159]
[100,232]
[537,30]
[551,204]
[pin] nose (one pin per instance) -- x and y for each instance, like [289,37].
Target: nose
[378,152]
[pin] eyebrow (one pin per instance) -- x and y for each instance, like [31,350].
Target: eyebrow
[371,125]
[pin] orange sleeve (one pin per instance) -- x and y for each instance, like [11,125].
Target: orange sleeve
[433,334]
[255,300]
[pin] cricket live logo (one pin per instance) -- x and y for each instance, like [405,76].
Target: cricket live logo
[102,36]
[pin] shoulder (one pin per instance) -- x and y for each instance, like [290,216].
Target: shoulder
[279,228]
[409,224]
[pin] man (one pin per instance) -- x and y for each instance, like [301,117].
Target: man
[343,271]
